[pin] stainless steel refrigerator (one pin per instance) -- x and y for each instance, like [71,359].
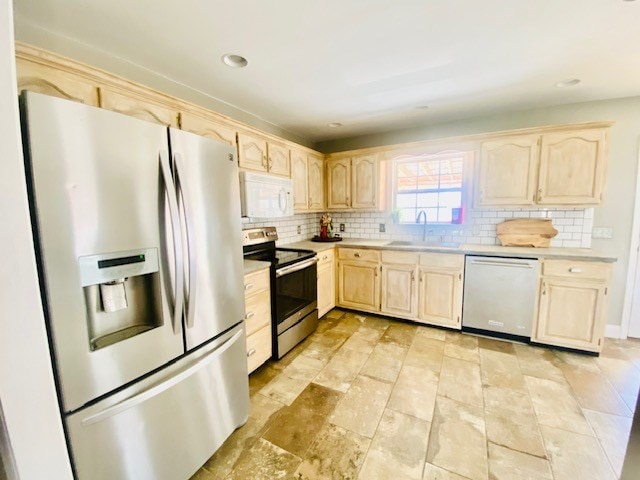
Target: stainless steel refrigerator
[138,237]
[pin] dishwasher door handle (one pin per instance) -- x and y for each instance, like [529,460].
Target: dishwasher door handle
[502,264]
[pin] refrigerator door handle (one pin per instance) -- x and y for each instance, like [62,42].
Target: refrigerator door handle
[161,387]
[178,297]
[190,285]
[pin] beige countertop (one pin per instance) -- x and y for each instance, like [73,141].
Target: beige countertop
[251,266]
[584,254]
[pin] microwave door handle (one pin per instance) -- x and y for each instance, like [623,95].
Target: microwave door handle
[190,284]
[172,201]
[282,193]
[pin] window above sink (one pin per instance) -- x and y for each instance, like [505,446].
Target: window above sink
[433,183]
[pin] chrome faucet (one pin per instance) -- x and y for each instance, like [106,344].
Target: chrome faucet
[424,229]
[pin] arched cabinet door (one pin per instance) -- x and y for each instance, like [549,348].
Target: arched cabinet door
[339,183]
[252,151]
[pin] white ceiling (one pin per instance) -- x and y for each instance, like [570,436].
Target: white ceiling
[366,63]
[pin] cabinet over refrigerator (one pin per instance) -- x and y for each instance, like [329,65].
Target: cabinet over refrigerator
[138,237]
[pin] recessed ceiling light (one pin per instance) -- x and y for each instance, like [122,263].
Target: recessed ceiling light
[422,107]
[334,124]
[235,61]
[568,83]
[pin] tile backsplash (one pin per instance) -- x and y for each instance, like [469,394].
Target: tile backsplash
[288,227]
[574,226]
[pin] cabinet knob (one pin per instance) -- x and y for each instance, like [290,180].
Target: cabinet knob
[251,352]
[357,255]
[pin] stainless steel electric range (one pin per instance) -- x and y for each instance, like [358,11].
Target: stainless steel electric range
[294,295]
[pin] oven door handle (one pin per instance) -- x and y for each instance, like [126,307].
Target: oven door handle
[294,268]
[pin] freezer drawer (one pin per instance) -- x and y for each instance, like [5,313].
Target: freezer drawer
[500,294]
[169,424]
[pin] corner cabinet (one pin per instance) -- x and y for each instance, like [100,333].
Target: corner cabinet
[359,279]
[567,167]
[573,304]
[353,183]
[440,289]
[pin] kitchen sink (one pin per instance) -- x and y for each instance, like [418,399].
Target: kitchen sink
[401,243]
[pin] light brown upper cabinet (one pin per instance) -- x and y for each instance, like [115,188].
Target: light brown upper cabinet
[207,127]
[307,173]
[563,168]
[39,78]
[353,183]
[131,104]
[316,182]
[572,168]
[256,153]
[300,177]
[508,170]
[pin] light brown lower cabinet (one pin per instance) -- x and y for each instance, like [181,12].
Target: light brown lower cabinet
[573,304]
[359,285]
[440,289]
[326,282]
[257,318]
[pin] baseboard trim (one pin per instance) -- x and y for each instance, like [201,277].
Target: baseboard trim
[612,331]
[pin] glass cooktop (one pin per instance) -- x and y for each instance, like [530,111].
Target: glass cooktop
[286,256]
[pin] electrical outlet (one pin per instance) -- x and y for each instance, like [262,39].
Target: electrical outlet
[382,228]
[299,229]
[602,232]
[342,227]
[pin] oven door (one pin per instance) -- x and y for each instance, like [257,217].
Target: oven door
[296,293]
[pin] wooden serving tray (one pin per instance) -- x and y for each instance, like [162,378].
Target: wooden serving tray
[328,239]
[526,232]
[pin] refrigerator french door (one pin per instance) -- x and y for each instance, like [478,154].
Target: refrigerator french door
[136,284]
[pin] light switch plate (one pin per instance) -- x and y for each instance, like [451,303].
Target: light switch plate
[602,232]
[382,228]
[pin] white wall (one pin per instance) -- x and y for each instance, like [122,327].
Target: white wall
[617,208]
[27,390]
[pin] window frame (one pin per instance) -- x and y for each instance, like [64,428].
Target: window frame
[467,155]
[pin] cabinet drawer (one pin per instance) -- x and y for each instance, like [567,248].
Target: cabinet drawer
[325,257]
[578,270]
[400,258]
[361,255]
[445,260]
[256,281]
[258,311]
[258,348]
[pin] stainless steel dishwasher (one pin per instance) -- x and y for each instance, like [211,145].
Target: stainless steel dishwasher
[500,295]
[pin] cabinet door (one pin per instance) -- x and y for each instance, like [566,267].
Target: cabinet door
[300,177]
[316,183]
[326,288]
[279,160]
[252,152]
[364,182]
[508,171]
[51,81]
[572,168]
[339,183]
[206,127]
[399,292]
[359,285]
[440,297]
[571,313]
[142,108]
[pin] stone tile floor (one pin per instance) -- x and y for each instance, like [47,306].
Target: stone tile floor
[371,398]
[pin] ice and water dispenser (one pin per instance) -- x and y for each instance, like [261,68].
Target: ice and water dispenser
[122,295]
